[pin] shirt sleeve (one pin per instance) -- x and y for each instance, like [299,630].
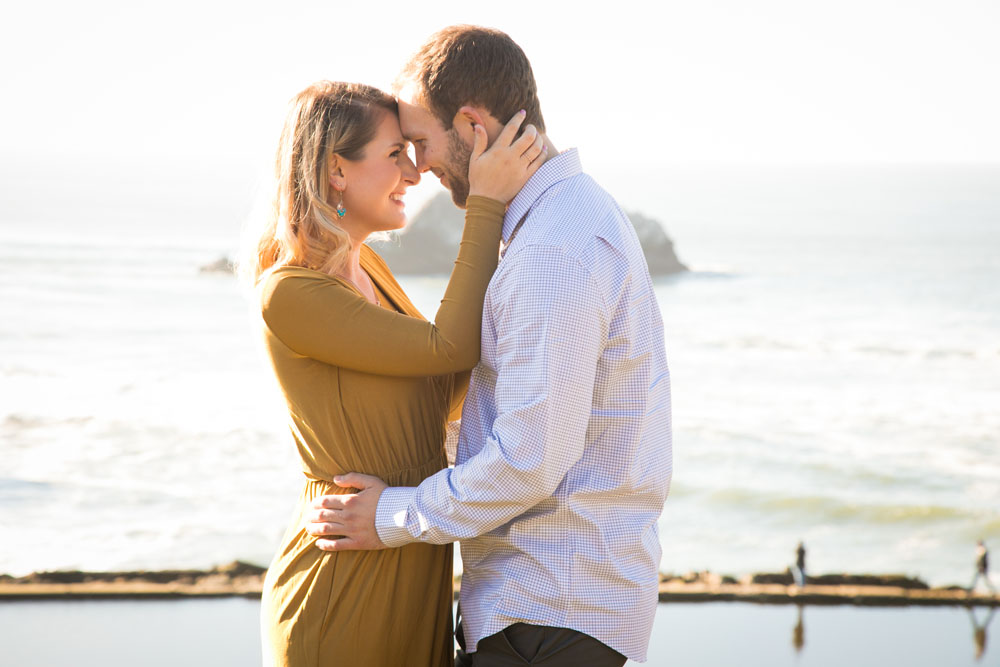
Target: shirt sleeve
[322,318]
[551,326]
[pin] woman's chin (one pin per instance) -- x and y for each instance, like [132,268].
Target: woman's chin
[391,226]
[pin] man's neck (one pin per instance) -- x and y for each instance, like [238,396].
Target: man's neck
[552,150]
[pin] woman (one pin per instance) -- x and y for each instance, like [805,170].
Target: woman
[369,384]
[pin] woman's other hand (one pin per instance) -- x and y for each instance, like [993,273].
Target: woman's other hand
[500,172]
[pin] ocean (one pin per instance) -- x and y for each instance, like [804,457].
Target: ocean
[835,359]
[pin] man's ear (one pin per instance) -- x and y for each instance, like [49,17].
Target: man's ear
[337,179]
[466,118]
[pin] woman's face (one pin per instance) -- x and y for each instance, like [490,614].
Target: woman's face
[374,186]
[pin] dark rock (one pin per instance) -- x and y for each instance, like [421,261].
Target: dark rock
[893,580]
[656,245]
[232,570]
[162,576]
[71,577]
[783,578]
[887,580]
[430,243]
[240,569]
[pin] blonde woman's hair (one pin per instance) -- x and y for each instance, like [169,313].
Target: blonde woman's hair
[300,225]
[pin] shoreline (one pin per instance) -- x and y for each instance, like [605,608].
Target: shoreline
[245,580]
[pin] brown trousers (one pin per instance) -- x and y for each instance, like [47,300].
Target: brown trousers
[542,645]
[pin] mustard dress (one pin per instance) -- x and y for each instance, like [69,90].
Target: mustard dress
[369,389]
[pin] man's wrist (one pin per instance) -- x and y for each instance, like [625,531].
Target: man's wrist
[391,515]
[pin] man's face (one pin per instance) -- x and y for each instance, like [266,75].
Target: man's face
[436,149]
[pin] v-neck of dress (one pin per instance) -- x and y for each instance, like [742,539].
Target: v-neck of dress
[382,297]
[387,285]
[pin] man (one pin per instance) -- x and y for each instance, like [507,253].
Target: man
[982,568]
[800,565]
[564,456]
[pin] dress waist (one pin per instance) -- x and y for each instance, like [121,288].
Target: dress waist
[411,476]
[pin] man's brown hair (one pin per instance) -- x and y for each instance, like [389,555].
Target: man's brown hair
[467,64]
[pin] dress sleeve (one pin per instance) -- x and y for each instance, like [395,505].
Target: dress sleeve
[324,319]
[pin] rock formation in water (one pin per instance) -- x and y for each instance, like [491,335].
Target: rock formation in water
[221,265]
[430,243]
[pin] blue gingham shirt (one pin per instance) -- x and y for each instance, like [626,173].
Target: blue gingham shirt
[564,455]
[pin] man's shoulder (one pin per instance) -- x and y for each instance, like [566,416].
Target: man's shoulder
[576,232]
[584,220]
[577,193]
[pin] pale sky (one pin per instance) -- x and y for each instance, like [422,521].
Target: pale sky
[729,81]
[200,87]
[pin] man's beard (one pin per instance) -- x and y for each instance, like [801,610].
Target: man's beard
[457,169]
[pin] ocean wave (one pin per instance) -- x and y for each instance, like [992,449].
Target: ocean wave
[753,343]
[710,272]
[826,508]
[990,527]
[33,245]
[13,489]
[24,371]
[17,422]
[945,353]
[924,352]
[884,351]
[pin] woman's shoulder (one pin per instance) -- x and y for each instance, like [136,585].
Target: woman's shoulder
[289,281]
[291,275]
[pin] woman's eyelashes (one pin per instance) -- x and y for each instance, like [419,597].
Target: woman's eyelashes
[398,149]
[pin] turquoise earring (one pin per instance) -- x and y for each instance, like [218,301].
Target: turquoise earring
[341,211]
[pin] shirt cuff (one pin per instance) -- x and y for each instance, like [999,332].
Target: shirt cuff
[390,515]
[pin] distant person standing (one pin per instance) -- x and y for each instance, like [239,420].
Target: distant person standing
[982,568]
[800,565]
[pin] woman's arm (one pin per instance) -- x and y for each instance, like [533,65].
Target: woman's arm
[320,317]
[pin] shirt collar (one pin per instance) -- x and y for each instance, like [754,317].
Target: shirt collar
[557,168]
